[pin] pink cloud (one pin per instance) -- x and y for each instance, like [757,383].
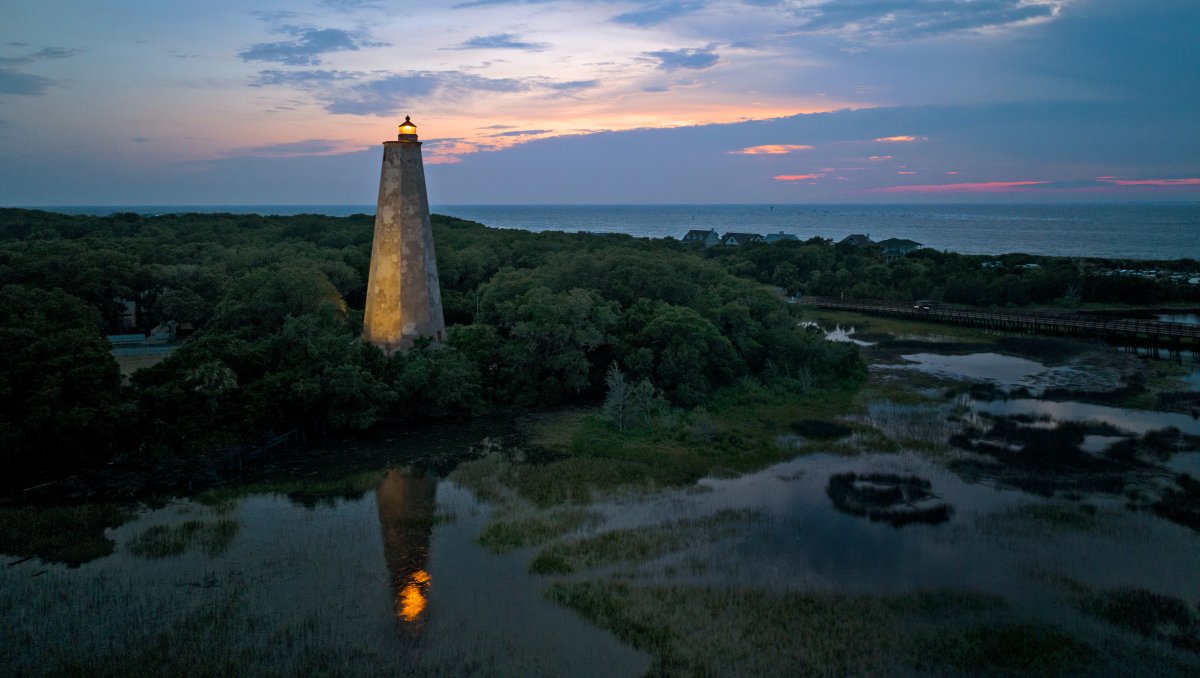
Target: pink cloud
[982,187]
[1151,182]
[772,149]
[798,177]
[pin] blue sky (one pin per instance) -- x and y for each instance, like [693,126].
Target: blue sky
[602,101]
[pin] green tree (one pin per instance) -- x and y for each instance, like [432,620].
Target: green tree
[59,384]
[678,349]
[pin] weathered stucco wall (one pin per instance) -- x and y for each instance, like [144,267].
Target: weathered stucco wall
[404,299]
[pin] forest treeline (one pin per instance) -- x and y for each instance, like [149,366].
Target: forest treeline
[534,320]
[819,267]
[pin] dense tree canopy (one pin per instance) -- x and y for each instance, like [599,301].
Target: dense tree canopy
[534,319]
[59,384]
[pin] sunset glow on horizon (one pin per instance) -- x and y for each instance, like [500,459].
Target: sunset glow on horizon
[288,102]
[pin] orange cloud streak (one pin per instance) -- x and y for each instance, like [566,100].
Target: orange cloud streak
[902,139]
[983,187]
[798,177]
[772,149]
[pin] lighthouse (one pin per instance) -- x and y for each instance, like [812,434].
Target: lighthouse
[404,300]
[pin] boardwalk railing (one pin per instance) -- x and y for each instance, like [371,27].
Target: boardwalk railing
[1132,331]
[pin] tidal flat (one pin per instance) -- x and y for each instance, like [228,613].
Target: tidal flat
[754,536]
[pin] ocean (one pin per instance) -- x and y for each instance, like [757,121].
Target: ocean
[1124,231]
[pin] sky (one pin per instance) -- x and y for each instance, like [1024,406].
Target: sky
[154,102]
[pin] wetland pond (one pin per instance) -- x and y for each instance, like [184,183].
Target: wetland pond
[381,569]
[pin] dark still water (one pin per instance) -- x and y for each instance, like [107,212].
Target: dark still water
[1143,231]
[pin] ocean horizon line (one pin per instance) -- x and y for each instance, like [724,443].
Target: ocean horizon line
[208,206]
[1163,230]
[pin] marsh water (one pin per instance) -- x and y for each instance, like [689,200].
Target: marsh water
[393,568]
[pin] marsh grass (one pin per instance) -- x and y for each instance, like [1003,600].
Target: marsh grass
[887,497]
[638,544]
[1014,648]
[898,326]
[1157,616]
[1180,503]
[164,541]
[1045,460]
[490,478]
[1042,519]
[926,425]
[895,346]
[1187,402]
[532,528]
[583,457]
[114,629]
[317,490]
[1149,614]
[69,534]
[730,631]
[820,428]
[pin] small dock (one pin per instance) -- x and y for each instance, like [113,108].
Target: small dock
[1174,338]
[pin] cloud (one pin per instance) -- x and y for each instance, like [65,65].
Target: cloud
[904,20]
[697,58]
[351,5]
[879,158]
[13,82]
[291,148]
[523,132]
[274,16]
[903,139]
[308,45]
[572,85]
[304,80]
[44,54]
[1150,182]
[772,149]
[659,12]
[26,84]
[383,93]
[980,187]
[488,3]
[798,177]
[501,41]
[1061,185]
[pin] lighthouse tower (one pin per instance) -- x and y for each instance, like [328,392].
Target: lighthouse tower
[404,300]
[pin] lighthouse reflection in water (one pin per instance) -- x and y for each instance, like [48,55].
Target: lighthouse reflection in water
[406,509]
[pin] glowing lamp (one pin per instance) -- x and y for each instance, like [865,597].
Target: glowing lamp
[408,131]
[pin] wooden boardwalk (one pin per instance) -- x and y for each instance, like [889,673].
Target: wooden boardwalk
[1173,337]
